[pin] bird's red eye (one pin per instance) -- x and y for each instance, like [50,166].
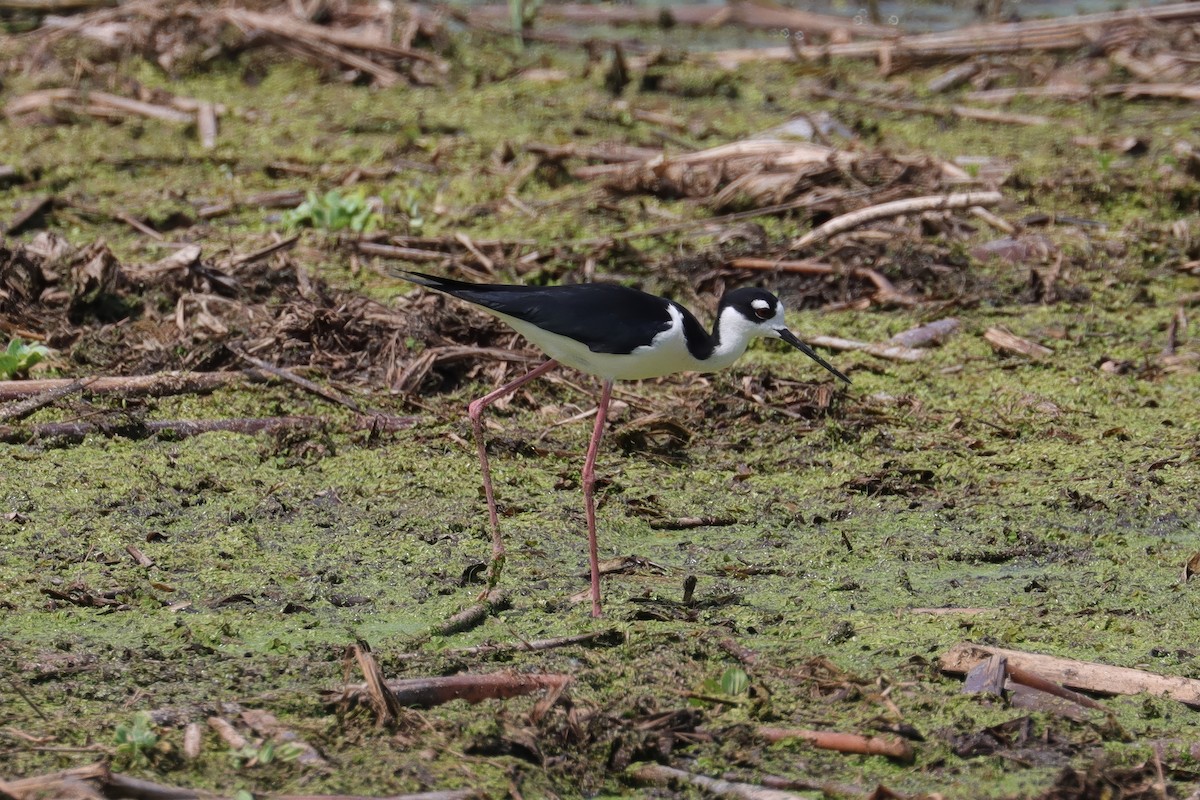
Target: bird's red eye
[762,312]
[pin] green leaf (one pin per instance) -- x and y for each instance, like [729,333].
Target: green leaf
[18,357]
[735,681]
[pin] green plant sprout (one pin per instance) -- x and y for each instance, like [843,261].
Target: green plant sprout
[18,357]
[334,211]
[255,753]
[136,740]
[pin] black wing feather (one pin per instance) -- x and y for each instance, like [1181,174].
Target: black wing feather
[633,319]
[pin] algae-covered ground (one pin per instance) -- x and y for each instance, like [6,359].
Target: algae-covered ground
[1051,501]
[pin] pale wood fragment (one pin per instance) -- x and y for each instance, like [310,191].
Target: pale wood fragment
[1007,341]
[1087,676]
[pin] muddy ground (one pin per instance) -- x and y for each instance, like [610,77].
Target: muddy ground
[833,541]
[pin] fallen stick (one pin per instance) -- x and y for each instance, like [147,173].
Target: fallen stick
[96,103]
[954,77]
[890,746]
[278,198]
[828,788]
[658,774]
[403,253]
[206,125]
[323,52]
[157,385]
[1087,676]
[708,222]
[892,352]
[265,252]
[23,408]
[996,221]
[44,785]
[687,523]
[84,781]
[947,611]
[327,393]
[429,692]
[942,112]
[611,154]
[1059,34]
[1129,91]
[1007,341]
[288,27]
[382,701]
[750,15]
[495,600]
[1024,677]
[896,208]
[125,786]
[31,214]
[192,741]
[928,335]
[184,428]
[605,638]
[229,734]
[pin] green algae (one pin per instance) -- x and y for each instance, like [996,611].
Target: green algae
[1057,498]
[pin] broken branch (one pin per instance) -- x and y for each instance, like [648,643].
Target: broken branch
[1087,676]
[183,428]
[1007,341]
[428,692]
[896,208]
[157,385]
[890,746]
[657,773]
[892,352]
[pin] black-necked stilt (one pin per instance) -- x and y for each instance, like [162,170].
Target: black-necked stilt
[614,333]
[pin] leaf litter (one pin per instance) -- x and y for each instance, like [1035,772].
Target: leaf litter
[730,213]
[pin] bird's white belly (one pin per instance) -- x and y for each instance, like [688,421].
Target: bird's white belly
[667,354]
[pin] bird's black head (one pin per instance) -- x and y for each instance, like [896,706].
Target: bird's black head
[749,312]
[756,305]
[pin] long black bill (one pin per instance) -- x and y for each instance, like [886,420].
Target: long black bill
[791,339]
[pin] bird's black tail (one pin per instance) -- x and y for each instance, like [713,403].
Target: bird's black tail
[431,281]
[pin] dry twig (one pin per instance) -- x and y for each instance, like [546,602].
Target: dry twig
[428,692]
[896,208]
[495,600]
[182,428]
[329,394]
[892,352]
[157,385]
[959,111]
[23,408]
[928,335]
[890,746]
[1009,342]
[604,638]
[1088,676]
[658,774]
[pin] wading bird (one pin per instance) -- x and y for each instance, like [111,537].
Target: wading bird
[614,333]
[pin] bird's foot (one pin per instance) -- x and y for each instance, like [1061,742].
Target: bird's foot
[492,578]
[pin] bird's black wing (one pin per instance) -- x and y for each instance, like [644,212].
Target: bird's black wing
[630,318]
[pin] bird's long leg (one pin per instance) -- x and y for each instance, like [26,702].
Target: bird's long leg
[475,412]
[589,485]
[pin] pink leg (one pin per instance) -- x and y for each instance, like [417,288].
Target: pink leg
[475,412]
[589,485]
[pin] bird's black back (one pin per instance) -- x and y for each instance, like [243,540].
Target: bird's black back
[632,317]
